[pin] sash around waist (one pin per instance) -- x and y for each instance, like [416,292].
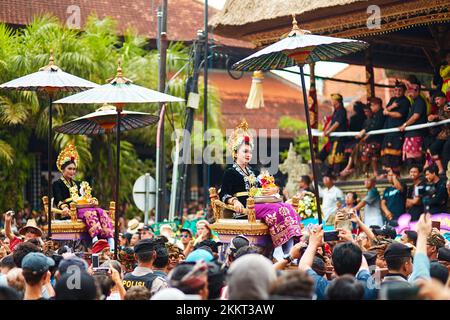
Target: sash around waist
[241,194]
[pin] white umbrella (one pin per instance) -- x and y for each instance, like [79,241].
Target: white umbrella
[119,91]
[49,79]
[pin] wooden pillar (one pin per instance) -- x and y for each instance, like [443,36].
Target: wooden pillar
[370,78]
[313,109]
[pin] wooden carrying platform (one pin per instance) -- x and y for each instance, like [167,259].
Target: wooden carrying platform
[255,230]
[73,229]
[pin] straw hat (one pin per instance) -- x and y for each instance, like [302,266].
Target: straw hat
[134,225]
[31,223]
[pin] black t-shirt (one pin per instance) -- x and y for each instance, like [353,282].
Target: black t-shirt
[375,123]
[395,200]
[417,210]
[403,108]
[145,280]
[435,197]
[340,116]
[419,106]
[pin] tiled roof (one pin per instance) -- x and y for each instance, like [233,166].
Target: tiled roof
[185,17]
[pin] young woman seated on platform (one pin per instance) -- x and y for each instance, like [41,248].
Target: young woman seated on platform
[67,190]
[281,218]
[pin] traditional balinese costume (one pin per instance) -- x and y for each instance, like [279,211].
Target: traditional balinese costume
[412,146]
[281,218]
[337,159]
[370,148]
[66,191]
[391,148]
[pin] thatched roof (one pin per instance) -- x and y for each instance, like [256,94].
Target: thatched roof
[241,12]
[244,12]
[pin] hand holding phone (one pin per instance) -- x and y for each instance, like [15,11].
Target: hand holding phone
[436,224]
[95,261]
[331,236]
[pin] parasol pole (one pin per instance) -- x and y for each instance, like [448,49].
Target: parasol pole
[311,147]
[49,157]
[116,216]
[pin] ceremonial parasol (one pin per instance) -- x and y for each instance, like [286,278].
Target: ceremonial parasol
[104,120]
[118,92]
[298,48]
[49,79]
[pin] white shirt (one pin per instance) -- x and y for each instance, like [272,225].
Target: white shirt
[329,200]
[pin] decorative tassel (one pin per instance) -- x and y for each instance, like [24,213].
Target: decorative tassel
[255,98]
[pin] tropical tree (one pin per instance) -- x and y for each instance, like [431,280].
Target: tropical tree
[92,54]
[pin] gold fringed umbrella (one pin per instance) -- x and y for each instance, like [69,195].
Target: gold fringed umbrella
[256,98]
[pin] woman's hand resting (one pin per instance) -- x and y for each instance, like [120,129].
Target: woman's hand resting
[238,207]
[269,191]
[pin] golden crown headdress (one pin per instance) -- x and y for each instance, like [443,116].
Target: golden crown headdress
[69,153]
[240,135]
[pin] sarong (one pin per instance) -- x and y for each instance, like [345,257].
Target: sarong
[391,151]
[98,222]
[370,151]
[282,220]
[412,148]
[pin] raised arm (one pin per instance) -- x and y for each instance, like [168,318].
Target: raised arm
[8,219]
[315,240]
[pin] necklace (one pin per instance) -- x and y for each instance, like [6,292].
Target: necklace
[66,182]
[245,170]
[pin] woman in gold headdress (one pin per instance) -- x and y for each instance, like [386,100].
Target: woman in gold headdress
[67,190]
[281,218]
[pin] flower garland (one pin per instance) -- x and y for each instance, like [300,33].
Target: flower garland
[307,205]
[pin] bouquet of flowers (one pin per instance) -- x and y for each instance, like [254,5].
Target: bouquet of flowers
[85,191]
[266,181]
[307,205]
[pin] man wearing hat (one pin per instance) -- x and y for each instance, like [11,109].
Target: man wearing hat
[235,244]
[143,274]
[395,112]
[29,231]
[417,114]
[399,262]
[134,225]
[435,241]
[336,159]
[35,270]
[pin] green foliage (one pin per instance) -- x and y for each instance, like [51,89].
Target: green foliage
[92,54]
[301,142]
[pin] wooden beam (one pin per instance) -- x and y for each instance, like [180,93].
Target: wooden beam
[370,88]
[406,41]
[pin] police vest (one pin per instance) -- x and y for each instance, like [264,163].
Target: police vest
[146,280]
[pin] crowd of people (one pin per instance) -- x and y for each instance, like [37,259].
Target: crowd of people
[403,148]
[373,263]
[427,192]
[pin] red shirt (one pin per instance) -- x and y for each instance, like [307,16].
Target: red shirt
[14,242]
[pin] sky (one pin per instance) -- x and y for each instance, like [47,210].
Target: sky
[324,69]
